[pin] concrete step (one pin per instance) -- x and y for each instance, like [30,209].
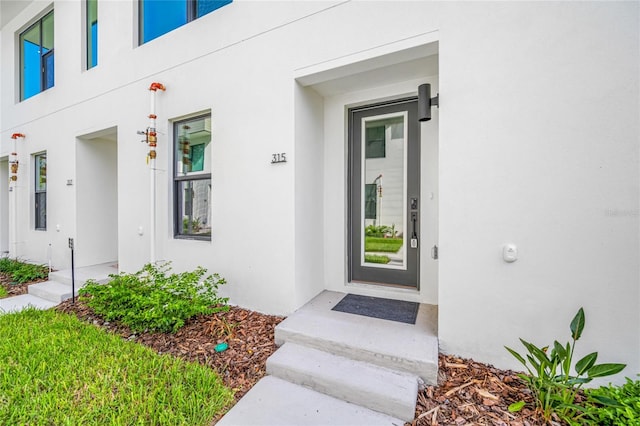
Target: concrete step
[412,348]
[18,303]
[273,401]
[52,291]
[377,388]
[99,273]
[58,288]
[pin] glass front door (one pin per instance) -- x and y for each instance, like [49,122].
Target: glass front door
[384,160]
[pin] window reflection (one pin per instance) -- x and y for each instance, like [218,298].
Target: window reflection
[383,192]
[193,176]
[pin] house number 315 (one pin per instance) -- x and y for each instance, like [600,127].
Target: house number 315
[280,157]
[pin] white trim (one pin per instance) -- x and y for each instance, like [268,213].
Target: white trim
[404,50]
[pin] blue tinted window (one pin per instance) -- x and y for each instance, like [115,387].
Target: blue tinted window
[208,6]
[30,69]
[161,16]
[158,17]
[48,71]
[36,57]
[92,33]
[93,59]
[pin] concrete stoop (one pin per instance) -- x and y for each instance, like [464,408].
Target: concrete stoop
[276,402]
[412,348]
[58,288]
[370,386]
[373,366]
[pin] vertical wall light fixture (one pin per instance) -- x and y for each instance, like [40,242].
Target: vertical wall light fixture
[425,102]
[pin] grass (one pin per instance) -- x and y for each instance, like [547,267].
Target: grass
[3,292]
[54,369]
[385,245]
[374,258]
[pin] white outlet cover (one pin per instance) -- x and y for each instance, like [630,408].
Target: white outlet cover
[510,253]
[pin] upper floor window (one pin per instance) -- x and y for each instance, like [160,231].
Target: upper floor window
[158,17]
[192,177]
[92,33]
[36,57]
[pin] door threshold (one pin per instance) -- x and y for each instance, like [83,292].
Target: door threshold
[383,286]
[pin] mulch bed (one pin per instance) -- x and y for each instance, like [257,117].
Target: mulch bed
[250,336]
[15,289]
[472,393]
[469,392]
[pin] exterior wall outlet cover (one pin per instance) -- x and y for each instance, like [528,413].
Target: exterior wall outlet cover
[140,231]
[510,253]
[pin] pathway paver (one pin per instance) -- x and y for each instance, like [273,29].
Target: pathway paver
[18,303]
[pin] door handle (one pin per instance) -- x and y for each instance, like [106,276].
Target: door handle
[414,234]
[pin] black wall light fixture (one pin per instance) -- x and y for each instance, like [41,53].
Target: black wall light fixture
[425,102]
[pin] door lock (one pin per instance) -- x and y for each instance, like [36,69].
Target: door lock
[413,204]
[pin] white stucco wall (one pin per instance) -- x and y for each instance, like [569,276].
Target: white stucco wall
[537,142]
[310,231]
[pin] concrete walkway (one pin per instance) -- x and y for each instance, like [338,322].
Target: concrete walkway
[58,288]
[335,368]
[18,303]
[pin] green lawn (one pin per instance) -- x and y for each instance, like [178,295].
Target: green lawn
[54,369]
[374,258]
[386,245]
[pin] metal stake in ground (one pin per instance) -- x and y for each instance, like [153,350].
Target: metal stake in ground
[73,274]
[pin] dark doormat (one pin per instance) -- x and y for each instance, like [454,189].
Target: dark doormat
[375,307]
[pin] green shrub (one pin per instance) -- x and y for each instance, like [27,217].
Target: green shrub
[22,272]
[377,231]
[550,379]
[615,405]
[28,272]
[152,299]
[7,265]
[3,292]
[195,225]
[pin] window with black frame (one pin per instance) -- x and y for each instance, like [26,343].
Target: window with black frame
[40,162]
[36,57]
[192,177]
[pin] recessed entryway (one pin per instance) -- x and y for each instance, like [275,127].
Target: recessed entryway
[360,193]
[96,187]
